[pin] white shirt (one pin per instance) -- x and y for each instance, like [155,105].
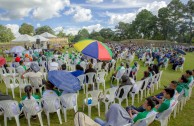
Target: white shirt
[53,66]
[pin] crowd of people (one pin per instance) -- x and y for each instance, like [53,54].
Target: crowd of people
[116,115]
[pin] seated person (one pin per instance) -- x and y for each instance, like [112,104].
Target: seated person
[28,91]
[133,70]
[183,86]
[189,76]
[146,75]
[121,67]
[63,67]
[50,91]
[168,100]
[79,71]
[118,116]
[53,65]
[21,68]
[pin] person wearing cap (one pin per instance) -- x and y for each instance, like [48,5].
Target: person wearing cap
[17,59]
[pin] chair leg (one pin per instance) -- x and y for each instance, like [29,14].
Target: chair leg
[127,102]
[132,97]
[89,111]
[17,120]
[106,107]
[65,114]
[28,117]
[40,118]
[5,121]
[99,109]
[48,118]
[12,90]
[59,116]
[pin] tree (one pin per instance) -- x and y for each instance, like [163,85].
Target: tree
[61,34]
[107,34]
[26,29]
[96,36]
[43,29]
[5,34]
[82,34]
[71,37]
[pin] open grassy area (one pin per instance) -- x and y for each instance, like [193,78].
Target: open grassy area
[184,118]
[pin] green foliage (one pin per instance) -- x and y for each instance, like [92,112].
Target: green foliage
[5,34]
[96,36]
[61,34]
[43,29]
[82,34]
[26,29]
[71,38]
[106,33]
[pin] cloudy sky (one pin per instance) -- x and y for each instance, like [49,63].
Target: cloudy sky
[72,15]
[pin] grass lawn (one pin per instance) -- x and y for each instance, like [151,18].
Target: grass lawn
[184,118]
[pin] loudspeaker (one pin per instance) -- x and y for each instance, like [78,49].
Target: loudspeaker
[38,41]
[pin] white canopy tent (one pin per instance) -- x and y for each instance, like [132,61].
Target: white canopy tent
[42,39]
[24,38]
[47,35]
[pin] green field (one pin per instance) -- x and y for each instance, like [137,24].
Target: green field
[184,118]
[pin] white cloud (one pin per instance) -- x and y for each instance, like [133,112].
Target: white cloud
[91,28]
[114,18]
[94,1]
[14,28]
[38,25]
[58,29]
[40,9]
[72,31]
[80,14]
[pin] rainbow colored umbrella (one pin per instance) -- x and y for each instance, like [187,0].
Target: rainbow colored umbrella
[94,49]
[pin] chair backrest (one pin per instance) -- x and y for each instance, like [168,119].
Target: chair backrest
[10,108]
[99,65]
[81,79]
[8,80]
[95,95]
[127,71]
[31,107]
[145,83]
[101,75]
[69,100]
[11,70]
[120,73]
[166,113]
[110,93]
[146,121]
[126,90]
[51,104]
[35,81]
[138,87]
[90,76]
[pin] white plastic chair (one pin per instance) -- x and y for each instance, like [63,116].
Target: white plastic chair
[51,105]
[35,84]
[164,116]
[136,91]
[146,121]
[30,108]
[144,87]
[69,101]
[10,109]
[148,62]
[109,97]
[21,83]
[82,81]
[118,76]
[10,83]
[90,76]
[99,66]
[95,101]
[126,90]
[128,71]
[100,79]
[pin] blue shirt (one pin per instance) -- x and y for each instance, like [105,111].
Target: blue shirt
[77,73]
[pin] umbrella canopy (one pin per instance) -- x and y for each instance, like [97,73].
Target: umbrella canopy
[17,49]
[24,38]
[94,49]
[42,39]
[2,61]
[180,51]
[48,35]
[64,81]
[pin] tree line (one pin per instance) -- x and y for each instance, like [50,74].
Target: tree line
[174,23]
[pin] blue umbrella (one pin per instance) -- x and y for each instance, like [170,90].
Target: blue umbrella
[64,81]
[180,51]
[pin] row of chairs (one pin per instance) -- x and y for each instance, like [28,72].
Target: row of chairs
[10,108]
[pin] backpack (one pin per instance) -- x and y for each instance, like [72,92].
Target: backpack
[81,119]
[34,67]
